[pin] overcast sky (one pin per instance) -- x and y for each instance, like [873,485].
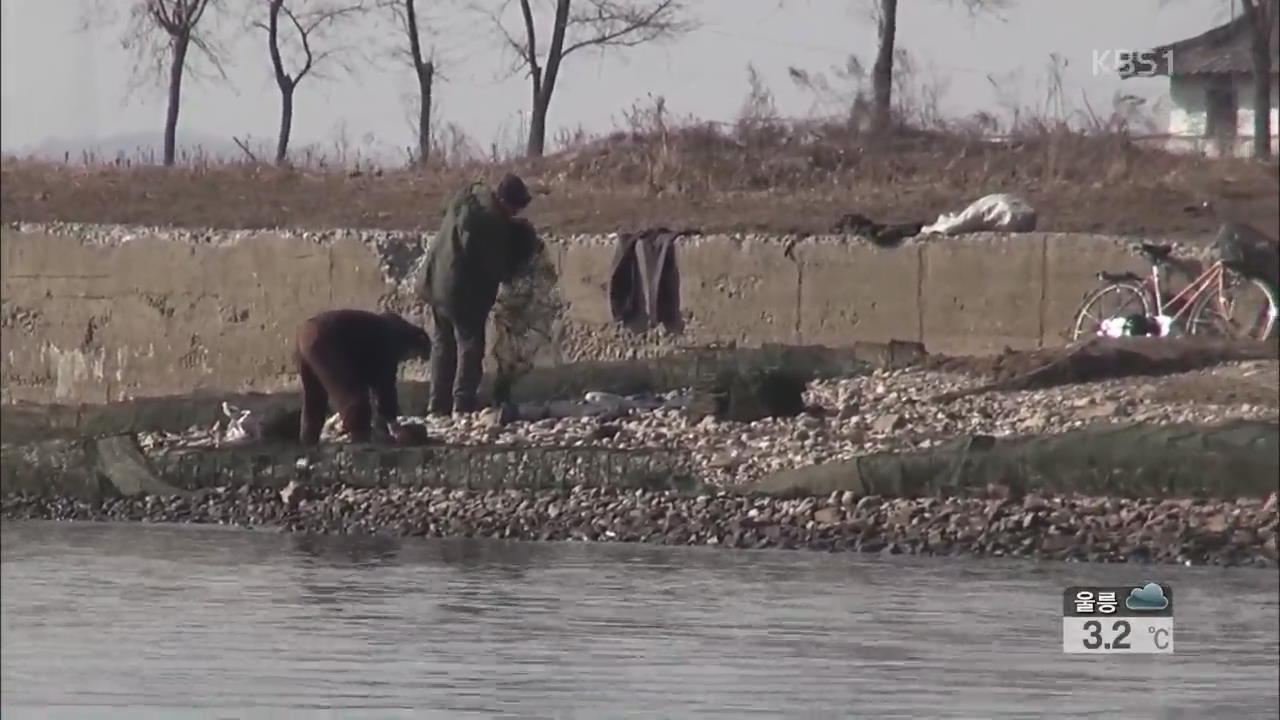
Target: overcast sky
[61,85]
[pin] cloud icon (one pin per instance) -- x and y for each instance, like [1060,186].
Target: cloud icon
[1148,597]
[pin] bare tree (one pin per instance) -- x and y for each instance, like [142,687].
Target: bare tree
[306,28]
[160,34]
[882,70]
[580,24]
[846,94]
[1261,16]
[424,69]
[886,15]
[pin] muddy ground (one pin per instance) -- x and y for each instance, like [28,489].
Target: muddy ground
[1256,383]
[1186,371]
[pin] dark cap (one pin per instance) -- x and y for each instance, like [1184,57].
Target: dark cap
[513,192]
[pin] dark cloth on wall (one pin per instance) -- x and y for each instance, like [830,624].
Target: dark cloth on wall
[878,233]
[644,283]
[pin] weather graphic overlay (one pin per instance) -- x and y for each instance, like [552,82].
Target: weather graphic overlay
[1133,619]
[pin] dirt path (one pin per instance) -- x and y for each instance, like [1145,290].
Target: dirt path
[1245,368]
[1246,383]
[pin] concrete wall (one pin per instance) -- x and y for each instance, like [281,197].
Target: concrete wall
[97,314]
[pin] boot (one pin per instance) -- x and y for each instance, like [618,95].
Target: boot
[441,403]
[464,403]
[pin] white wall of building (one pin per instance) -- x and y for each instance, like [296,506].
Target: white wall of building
[1187,114]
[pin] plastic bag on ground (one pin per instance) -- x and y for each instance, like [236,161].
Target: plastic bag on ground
[999,212]
[242,426]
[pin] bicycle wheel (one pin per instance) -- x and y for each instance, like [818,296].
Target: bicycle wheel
[1127,298]
[1245,308]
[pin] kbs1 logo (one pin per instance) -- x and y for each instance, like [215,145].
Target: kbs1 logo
[1131,63]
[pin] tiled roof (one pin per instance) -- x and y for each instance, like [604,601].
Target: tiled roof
[1224,49]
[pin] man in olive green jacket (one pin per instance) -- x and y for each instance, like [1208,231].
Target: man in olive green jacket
[482,242]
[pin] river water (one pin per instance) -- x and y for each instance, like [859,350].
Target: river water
[138,621]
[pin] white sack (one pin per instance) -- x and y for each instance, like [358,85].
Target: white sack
[993,213]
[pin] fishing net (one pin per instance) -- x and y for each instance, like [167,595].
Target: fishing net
[528,320]
[1249,252]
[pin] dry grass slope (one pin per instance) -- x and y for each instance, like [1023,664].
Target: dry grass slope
[772,177]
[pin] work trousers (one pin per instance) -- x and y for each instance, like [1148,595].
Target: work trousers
[457,358]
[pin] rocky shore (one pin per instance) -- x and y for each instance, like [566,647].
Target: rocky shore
[886,410]
[1066,528]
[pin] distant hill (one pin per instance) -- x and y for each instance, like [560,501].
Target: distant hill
[148,147]
[137,145]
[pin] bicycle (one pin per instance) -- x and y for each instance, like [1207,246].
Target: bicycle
[1206,306]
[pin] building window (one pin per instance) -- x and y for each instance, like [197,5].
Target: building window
[1220,107]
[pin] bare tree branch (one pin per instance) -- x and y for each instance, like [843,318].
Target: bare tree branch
[160,34]
[520,48]
[320,22]
[304,36]
[579,24]
[978,7]
[619,24]
[415,37]
[885,15]
[317,21]
[244,146]
[531,38]
[423,63]
[412,19]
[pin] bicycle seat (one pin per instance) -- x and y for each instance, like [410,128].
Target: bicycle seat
[1157,253]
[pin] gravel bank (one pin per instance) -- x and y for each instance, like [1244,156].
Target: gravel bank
[1088,529]
[881,411]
